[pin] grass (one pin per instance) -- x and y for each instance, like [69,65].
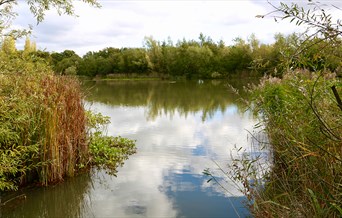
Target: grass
[303,123]
[45,132]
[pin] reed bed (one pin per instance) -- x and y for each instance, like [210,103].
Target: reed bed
[42,129]
[64,133]
[303,122]
[45,132]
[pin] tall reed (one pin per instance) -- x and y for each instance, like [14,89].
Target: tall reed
[45,132]
[63,145]
[303,123]
[43,127]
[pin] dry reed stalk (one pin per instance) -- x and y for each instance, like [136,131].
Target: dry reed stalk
[64,146]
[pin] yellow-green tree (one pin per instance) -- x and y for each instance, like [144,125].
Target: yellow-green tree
[8,45]
[29,46]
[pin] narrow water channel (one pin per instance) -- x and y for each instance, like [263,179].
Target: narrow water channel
[181,128]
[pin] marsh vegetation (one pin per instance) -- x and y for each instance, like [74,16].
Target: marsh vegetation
[47,135]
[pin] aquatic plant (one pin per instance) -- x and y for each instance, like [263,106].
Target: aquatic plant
[302,120]
[44,131]
[106,152]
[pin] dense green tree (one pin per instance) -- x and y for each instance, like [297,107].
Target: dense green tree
[107,52]
[205,58]
[64,60]
[103,66]
[170,54]
[134,60]
[197,61]
[44,55]
[87,66]
[239,57]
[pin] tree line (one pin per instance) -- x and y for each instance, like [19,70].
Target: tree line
[202,58]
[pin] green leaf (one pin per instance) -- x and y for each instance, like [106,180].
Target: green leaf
[337,207]
[316,204]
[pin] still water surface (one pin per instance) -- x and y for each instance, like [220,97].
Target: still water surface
[180,129]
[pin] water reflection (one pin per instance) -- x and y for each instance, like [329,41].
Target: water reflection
[69,199]
[165,176]
[163,97]
[180,130]
[191,199]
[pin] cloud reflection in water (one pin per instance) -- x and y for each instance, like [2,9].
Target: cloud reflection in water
[164,178]
[181,129]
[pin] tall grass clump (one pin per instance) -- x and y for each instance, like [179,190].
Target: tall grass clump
[42,131]
[303,122]
[45,132]
[63,145]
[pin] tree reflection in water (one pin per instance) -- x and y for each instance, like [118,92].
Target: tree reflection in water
[165,97]
[67,199]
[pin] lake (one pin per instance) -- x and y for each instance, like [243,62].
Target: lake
[181,128]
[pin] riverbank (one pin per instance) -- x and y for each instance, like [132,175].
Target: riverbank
[158,76]
[302,119]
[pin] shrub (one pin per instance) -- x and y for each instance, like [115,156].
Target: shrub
[106,152]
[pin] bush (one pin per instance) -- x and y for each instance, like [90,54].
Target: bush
[106,152]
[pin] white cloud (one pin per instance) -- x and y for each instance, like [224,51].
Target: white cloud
[126,23]
[166,148]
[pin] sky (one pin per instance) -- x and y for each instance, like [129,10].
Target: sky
[125,23]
